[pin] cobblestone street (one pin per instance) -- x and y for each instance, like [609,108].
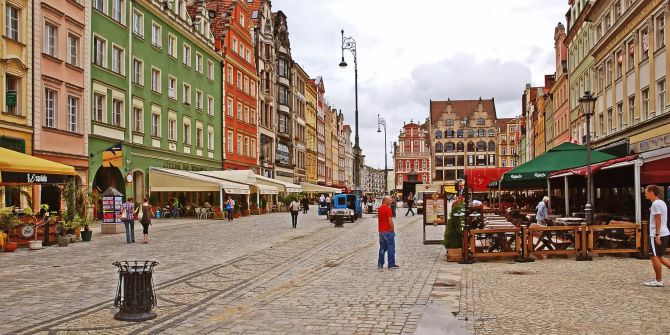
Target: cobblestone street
[254,276]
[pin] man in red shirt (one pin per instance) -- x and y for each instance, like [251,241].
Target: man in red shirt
[386,234]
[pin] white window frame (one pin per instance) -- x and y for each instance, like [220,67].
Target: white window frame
[117,113]
[138,71]
[156,80]
[172,46]
[186,55]
[156,35]
[210,105]
[138,119]
[239,145]
[99,108]
[99,52]
[172,87]
[186,132]
[118,9]
[118,64]
[186,93]
[229,142]
[198,63]
[199,136]
[172,129]
[661,88]
[155,124]
[72,113]
[210,70]
[73,49]
[230,107]
[50,108]
[138,23]
[199,100]
[50,39]
[13,22]
[210,138]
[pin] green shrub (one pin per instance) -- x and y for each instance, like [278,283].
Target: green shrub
[453,235]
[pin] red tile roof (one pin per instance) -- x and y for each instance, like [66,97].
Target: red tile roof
[462,108]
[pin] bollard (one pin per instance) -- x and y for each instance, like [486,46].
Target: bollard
[584,253]
[135,291]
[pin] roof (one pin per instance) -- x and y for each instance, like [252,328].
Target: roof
[13,161]
[462,108]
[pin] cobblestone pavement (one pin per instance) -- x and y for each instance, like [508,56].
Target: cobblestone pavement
[255,276]
[562,296]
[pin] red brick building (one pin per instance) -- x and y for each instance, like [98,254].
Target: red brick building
[412,155]
[232,28]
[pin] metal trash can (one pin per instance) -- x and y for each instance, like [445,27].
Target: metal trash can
[135,291]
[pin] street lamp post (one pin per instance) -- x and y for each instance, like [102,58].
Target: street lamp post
[382,122]
[348,43]
[587,104]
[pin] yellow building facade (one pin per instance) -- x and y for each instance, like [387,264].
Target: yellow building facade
[310,132]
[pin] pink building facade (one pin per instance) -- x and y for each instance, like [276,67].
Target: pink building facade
[560,92]
[61,73]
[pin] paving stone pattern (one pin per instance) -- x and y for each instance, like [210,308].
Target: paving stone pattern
[255,276]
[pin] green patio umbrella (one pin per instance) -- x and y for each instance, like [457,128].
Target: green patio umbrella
[534,173]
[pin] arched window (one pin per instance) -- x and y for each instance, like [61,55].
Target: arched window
[471,146]
[438,147]
[460,147]
[481,133]
[492,146]
[450,133]
[450,147]
[450,122]
[492,132]
[481,146]
[438,134]
[471,133]
[459,133]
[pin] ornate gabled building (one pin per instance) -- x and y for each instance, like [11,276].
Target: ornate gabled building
[284,163]
[463,140]
[299,79]
[559,124]
[310,132]
[411,155]
[320,131]
[348,158]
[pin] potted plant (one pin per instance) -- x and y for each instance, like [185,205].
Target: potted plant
[453,235]
[264,208]
[254,209]
[236,210]
[35,244]
[245,208]
[87,233]
[7,222]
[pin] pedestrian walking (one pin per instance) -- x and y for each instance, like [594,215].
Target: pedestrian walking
[322,200]
[328,204]
[230,206]
[305,205]
[386,230]
[659,234]
[145,213]
[394,205]
[128,217]
[410,203]
[295,209]
[542,212]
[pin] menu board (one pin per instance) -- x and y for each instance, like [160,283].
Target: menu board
[434,209]
[111,209]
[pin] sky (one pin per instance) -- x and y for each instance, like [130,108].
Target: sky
[410,52]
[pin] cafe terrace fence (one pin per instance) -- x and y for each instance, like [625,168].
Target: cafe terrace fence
[521,242]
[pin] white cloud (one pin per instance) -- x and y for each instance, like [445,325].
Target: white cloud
[410,52]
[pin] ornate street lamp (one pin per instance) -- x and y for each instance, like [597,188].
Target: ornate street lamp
[348,43]
[587,104]
[382,122]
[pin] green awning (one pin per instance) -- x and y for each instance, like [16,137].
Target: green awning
[535,172]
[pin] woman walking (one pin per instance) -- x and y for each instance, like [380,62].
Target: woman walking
[230,206]
[145,213]
[295,208]
[128,217]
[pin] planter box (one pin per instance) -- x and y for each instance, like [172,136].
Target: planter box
[454,254]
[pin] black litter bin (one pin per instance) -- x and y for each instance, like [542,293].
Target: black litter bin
[135,292]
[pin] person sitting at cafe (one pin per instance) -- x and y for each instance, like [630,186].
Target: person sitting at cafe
[542,211]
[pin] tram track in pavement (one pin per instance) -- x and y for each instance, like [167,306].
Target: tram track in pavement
[197,287]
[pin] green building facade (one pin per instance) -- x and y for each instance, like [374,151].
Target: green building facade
[156,93]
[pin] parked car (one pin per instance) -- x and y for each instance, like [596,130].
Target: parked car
[345,206]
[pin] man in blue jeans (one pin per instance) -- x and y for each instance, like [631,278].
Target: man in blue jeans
[386,234]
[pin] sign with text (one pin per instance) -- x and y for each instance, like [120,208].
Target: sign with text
[434,214]
[32,178]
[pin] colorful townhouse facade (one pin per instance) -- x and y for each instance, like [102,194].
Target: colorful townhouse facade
[310,132]
[156,93]
[579,41]
[320,131]
[508,140]
[284,163]
[560,122]
[329,115]
[411,156]
[60,86]
[348,158]
[299,79]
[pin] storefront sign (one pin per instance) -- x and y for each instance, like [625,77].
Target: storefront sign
[182,166]
[284,174]
[434,209]
[113,156]
[10,98]
[111,209]
[33,178]
[15,144]
[653,143]
[268,165]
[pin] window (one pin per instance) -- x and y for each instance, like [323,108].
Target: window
[248,55]
[199,100]
[198,137]
[252,118]
[610,119]
[156,80]
[601,121]
[229,144]
[72,112]
[242,20]
[98,107]
[239,80]
[645,102]
[172,46]
[117,112]
[246,114]
[186,57]
[480,121]
[283,68]
[73,49]
[252,89]
[631,55]
[50,39]
[137,119]
[246,84]
[99,5]
[631,110]
[246,146]
[283,123]
[619,115]
[210,105]
[117,10]
[660,91]
[617,10]
[234,44]
[503,151]
[253,148]
[12,15]
[117,60]
[155,125]
[644,37]
[492,132]
[198,62]
[229,107]
[138,72]
[408,165]
[239,111]
[608,70]
[210,70]
[187,133]
[172,129]
[619,64]
[239,145]
[99,53]
[156,35]
[230,74]
[50,107]
[438,134]
[660,31]
[210,138]
[138,24]
[186,94]
[283,95]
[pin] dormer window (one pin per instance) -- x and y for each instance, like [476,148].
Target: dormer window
[242,20]
[480,121]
